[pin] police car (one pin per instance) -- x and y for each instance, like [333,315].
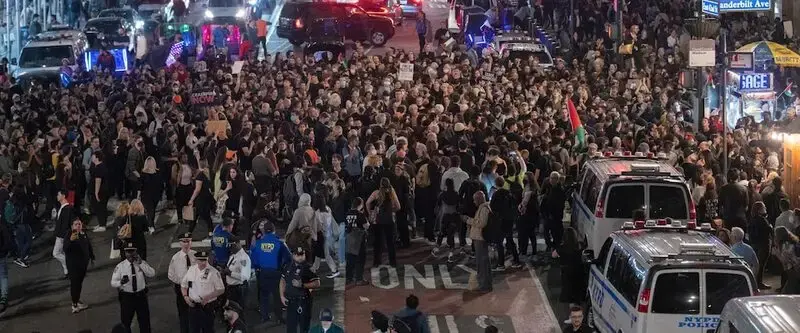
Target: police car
[664,276]
[514,50]
[226,8]
[612,187]
[761,314]
[511,37]
[42,57]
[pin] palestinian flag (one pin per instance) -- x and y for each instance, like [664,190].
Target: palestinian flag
[577,127]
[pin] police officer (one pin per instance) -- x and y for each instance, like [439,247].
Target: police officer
[178,266]
[296,285]
[269,255]
[233,314]
[219,242]
[237,272]
[129,279]
[201,287]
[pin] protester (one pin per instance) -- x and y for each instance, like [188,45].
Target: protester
[356,226]
[785,248]
[139,226]
[760,235]
[477,223]
[326,324]
[382,207]
[414,319]
[150,191]
[79,254]
[6,246]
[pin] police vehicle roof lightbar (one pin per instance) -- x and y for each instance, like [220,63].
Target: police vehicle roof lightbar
[666,223]
[698,248]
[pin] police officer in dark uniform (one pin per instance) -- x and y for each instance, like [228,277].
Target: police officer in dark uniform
[296,285]
[269,255]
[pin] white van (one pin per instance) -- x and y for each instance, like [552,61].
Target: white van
[664,277]
[612,187]
[761,314]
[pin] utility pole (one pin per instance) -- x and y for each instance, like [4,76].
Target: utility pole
[723,100]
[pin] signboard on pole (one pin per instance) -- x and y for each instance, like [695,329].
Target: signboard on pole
[753,82]
[711,7]
[734,6]
[741,60]
[406,72]
[701,53]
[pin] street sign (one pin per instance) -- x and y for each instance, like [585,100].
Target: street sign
[741,60]
[701,53]
[733,6]
[753,82]
[711,7]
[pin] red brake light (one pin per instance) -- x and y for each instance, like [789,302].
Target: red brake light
[298,23]
[598,212]
[644,301]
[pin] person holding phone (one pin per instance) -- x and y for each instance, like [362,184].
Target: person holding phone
[79,254]
[129,278]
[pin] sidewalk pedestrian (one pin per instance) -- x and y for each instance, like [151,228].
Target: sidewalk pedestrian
[178,267]
[129,278]
[201,287]
[269,256]
[79,254]
[62,230]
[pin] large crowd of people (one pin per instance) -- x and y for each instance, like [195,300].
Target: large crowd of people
[342,155]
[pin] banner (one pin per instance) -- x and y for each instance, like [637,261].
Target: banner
[203,97]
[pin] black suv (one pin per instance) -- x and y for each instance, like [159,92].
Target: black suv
[355,23]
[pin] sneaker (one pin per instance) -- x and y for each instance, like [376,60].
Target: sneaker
[27,258]
[99,228]
[516,265]
[75,309]
[21,263]
[333,275]
[152,230]
[82,306]
[450,257]
[499,269]
[435,252]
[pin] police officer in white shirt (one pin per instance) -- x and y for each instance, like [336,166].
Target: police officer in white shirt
[178,266]
[201,287]
[129,278]
[237,272]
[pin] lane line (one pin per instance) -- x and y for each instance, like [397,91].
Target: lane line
[451,324]
[338,300]
[554,321]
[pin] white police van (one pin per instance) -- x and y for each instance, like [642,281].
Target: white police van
[613,187]
[664,276]
[42,56]
[761,314]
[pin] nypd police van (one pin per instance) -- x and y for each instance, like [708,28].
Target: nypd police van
[761,314]
[42,56]
[612,187]
[664,276]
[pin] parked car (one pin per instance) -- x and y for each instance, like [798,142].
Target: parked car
[355,23]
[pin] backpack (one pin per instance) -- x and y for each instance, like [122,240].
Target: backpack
[12,213]
[493,231]
[407,324]
[290,195]
[6,242]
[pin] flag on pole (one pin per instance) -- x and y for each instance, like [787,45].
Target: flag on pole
[575,121]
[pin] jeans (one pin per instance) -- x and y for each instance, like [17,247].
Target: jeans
[58,253]
[482,263]
[22,236]
[3,280]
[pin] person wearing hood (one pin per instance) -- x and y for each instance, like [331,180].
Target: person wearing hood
[303,217]
[413,317]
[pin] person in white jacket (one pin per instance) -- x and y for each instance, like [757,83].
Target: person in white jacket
[330,230]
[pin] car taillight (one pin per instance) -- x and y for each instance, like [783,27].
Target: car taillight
[598,212]
[298,23]
[692,211]
[644,301]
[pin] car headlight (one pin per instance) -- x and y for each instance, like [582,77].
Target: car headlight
[252,2]
[241,13]
[209,14]
[139,24]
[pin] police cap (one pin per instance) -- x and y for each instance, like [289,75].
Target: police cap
[201,255]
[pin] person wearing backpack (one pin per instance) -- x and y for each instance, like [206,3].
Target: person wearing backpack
[416,321]
[14,215]
[477,223]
